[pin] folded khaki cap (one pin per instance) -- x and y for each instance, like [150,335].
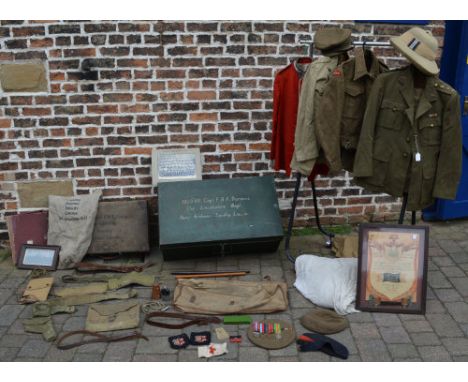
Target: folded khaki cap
[324,321]
[333,40]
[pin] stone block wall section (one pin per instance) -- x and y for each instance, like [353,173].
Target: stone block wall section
[178,84]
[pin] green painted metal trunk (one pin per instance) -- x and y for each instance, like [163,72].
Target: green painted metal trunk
[218,217]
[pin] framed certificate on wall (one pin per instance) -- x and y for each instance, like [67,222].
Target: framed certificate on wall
[392,268]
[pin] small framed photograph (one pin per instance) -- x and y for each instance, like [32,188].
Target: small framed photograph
[392,268]
[169,165]
[39,257]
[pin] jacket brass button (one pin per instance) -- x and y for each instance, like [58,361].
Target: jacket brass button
[405,155]
[432,125]
[407,139]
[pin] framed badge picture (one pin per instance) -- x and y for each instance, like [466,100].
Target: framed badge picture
[171,165]
[392,268]
[39,257]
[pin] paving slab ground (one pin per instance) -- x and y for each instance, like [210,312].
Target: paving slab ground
[440,335]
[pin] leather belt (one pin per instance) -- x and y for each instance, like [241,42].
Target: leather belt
[91,267]
[98,338]
[191,320]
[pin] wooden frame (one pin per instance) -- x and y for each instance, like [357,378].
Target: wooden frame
[39,257]
[392,268]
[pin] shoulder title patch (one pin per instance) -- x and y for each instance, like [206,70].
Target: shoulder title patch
[337,73]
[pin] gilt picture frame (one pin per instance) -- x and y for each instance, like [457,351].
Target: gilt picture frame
[392,268]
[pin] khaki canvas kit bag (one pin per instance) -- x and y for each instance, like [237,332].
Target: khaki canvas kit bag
[107,317]
[230,297]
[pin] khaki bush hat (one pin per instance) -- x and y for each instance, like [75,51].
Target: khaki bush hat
[420,48]
[324,321]
[272,341]
[333,41]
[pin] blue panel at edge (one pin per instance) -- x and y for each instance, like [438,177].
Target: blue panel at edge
[451,209]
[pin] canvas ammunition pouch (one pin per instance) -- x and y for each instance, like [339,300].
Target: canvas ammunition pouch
[93,298]
[230,297]
[37,290]
[113,281]
[77,279]
[130,279]
[107,317]
[94,267]
[82,290]
[45,309]
[42,325]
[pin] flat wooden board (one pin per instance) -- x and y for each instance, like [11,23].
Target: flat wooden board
[36,194]
[120,227]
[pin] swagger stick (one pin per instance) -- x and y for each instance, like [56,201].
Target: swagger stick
[208,275]
[181,273]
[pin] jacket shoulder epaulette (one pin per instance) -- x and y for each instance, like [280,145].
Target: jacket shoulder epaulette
[444,87]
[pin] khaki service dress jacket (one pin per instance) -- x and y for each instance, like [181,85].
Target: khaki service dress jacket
[341,106]
[306,150]
[396,127]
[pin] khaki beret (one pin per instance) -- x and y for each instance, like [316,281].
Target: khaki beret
[333,40]
[324,321]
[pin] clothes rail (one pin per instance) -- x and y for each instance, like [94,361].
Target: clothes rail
[329,235]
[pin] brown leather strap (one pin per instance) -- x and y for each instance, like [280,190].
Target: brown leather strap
[91,267]
[191,320]
[99,338]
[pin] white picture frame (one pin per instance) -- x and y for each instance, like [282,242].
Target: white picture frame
[171,165]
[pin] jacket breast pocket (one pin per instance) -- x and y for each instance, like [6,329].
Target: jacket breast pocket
[381,158]
[391,115]
[354,102]
[430,129]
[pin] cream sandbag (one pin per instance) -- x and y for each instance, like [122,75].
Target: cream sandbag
[230,297]
[107,317]
[71,225]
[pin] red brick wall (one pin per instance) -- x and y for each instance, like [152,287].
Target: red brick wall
[162,84]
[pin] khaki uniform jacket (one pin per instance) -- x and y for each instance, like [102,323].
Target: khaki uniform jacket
[306,149]
[395,128]
[341,107]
